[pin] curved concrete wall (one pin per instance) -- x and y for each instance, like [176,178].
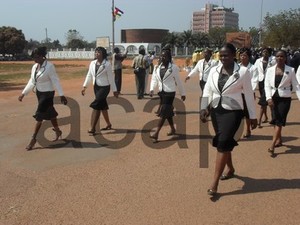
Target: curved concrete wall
[143,35]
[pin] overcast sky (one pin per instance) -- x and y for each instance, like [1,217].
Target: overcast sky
[92,18]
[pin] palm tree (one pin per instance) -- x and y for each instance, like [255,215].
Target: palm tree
[201,39]
[172,39]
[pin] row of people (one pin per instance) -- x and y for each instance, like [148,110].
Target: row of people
[221,99]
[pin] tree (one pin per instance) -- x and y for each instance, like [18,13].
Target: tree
[201,39]
[172,39]
[217,35]
[282,29]
[73,34]
[254,34]
[12,40]
[56,44]
[75,43]
[187,38]
[32,44]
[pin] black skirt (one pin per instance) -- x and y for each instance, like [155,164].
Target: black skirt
[280,110]
[101,93]
[166,109]
[45,109]
[225,123]
[262,100]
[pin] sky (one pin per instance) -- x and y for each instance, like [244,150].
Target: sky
[92,18]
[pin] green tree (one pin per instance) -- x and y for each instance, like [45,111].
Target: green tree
[75,43]
[73,34]
[282,29]
[12,40]
[254,34]
[217,35]
[172,39]
[32,44]
[201,39]
[90,45]
[187,38]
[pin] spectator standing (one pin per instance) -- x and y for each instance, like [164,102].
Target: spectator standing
[117,60]
[140,64]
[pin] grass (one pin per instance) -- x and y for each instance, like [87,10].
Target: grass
[19,73]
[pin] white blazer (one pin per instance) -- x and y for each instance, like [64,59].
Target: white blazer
[170,81]
[259,65]
[284,88]
[203,69]
[231,95]
[253,74]
[298,74]
[103,77]
[46,79]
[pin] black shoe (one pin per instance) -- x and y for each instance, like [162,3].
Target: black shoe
[211,192]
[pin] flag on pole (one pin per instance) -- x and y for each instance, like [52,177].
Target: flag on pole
[117,13]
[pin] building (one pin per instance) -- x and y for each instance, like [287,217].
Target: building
[214,16]
[143,35]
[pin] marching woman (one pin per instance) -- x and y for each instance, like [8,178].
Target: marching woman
[166,77]
[100,72]
[278,82]
[262,64]
[203,67]
[43,80]
[245,55]
[223,92]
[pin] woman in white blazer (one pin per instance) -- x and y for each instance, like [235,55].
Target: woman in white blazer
[166,78]
[223,92]
[245,54]
[263,64]
[100,72]
[278,82]
[43,80]
[202,68]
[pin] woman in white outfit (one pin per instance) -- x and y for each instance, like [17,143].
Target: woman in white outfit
[43,80]
[100,72]
[166,78]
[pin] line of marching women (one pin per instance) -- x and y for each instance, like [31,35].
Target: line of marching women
[228,96]
[229,92]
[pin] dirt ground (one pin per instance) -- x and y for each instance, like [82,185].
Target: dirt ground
[121,177]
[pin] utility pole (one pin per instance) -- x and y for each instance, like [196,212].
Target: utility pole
[46,36]
[47,45]
[113,24]
[260,25]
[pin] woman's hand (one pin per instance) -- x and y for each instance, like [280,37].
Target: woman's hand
[20,98]
[270,102]
[203,115]
[116,94]
[253,123]
[83,91]
[186,79]
[151,94]
[63,100]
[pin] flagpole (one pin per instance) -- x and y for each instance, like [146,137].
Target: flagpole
[113,25]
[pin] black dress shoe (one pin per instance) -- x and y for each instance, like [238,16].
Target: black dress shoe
[211,192]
